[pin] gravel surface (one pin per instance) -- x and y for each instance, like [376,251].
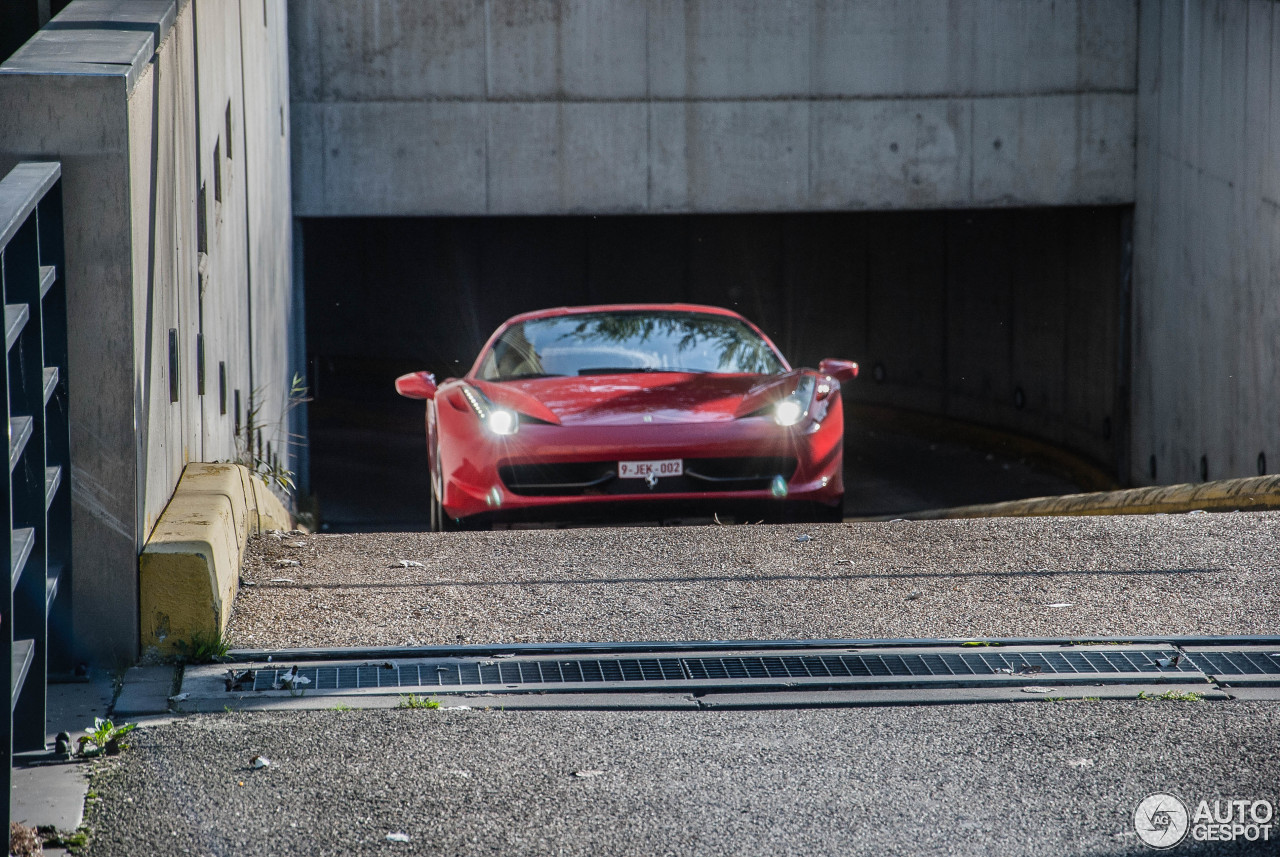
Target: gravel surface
[1034,778]
[1132,575]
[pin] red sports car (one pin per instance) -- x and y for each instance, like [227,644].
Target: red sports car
[649,409]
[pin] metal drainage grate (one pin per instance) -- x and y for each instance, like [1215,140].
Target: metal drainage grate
[811,669]
[1238,667]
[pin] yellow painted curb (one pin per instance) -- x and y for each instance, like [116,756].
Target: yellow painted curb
[189,569]
[1255,494]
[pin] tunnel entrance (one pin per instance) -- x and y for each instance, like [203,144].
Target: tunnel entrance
[1014,319]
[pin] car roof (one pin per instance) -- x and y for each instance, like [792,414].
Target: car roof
[580,310]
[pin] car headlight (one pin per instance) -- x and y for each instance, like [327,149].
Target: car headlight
[503,422]
[499,421]
[788,412]
[795,407]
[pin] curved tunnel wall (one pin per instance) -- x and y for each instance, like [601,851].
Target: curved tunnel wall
[1012,318]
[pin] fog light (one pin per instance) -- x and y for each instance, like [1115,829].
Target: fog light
[494,497]
[778,487]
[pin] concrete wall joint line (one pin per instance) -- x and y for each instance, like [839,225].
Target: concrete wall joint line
[558,98]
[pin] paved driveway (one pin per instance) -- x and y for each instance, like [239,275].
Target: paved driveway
[1043,778]
[1050,577]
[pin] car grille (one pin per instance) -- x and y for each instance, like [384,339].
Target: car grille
[588,478]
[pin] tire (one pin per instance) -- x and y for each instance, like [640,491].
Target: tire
[438,518]
[434,522]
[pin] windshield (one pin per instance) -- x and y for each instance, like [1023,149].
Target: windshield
[631,341]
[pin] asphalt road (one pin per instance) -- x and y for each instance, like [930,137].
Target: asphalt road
[1043,778]
[1041,577]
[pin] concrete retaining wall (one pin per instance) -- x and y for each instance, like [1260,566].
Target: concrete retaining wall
[167,118]
[630,106]
[189,569]
[1206,321]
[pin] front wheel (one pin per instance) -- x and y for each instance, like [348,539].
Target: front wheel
[440,520]
[434,511]
[437,517]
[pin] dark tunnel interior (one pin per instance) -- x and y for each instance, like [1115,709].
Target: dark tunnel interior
[1011,318]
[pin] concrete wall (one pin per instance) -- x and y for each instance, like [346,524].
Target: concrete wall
[1206,374]
[629,106]
[134,97]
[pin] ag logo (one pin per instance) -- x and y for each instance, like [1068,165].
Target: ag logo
[1161,820]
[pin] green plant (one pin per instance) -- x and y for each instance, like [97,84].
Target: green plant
[1172,696]
[74,842]
[260,458]
[203,648]
[978,643]
[341,707]
[1072,699]
[412,700]
[104,737]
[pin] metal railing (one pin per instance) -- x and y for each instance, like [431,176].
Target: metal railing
[36,514]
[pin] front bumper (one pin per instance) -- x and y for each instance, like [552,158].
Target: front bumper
[497,476]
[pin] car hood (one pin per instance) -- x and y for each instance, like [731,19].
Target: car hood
[661,397]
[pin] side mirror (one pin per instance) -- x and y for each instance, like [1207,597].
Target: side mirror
[841,370]
[417,385]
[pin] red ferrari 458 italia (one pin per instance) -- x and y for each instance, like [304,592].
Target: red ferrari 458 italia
[656,410]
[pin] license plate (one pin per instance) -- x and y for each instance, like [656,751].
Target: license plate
[645,469]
